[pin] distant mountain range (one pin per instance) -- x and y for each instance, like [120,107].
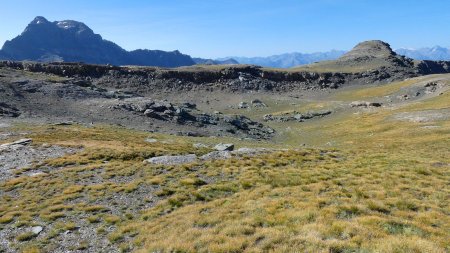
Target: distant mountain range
[288,60]
[215,62]
[73,41]
[435,53]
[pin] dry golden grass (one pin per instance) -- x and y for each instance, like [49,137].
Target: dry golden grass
[382,187]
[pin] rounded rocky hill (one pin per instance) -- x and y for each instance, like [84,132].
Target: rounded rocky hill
[369,49]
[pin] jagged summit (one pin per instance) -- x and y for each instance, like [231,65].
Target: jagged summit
[369,49]
[64,24]
[73,41]
[72,24]
[39,20]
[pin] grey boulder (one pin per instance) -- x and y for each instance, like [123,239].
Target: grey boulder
[215,155]
[224,147]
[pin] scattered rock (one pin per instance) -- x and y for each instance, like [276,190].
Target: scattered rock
[224,147]
[189,105]
[182,115]
[258,103]
[432,87]
[243,105]
[403,97]
[268,117]
[8,111]
[172,160]
[20,154]
[151,113]
[296,116]
[365,104]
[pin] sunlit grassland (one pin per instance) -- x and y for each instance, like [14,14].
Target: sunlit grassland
[387,89]
[365,182]
[385,190]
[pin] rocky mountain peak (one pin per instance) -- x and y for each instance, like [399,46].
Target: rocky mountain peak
[73,25]
[73,41]
[39,20]
[369,49]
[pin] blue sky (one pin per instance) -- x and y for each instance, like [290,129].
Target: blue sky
[217,28]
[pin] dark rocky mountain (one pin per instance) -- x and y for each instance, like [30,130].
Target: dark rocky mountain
[214,62]
[288,60]
[73,41]
[435,53]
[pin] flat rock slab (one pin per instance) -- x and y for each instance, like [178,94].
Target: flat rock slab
[17,144]
[172,160]
[215,155]
[250,151]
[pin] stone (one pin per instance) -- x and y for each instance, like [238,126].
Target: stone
[189,105]
[224,147]
[268,117]
[36,230]
[18,143]
[358,104]
[168,112]
[151,113]
[365,104]
[172,160]
[9,111]
[22,142]
[249,151]
[215,155]
[159,107]
[151,140]
[200,145]
[258,103]
[243,105]
[64,123]
[403,97]
[375,104]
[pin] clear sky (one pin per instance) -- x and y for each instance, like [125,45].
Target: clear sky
[217,28]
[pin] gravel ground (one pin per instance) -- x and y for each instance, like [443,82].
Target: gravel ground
[17,156]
